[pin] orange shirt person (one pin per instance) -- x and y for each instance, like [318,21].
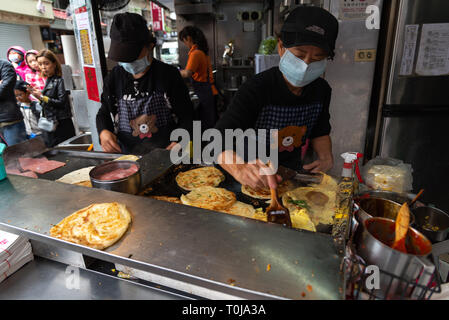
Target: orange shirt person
[199,70]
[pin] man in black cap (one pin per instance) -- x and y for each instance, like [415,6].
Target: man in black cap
[291,98]
[146,98]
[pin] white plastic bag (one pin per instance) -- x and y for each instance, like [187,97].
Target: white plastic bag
[388,174]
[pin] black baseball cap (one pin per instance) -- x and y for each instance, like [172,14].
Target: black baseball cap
[129,34]
[307,25]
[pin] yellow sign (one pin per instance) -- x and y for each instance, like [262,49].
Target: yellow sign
[86,47]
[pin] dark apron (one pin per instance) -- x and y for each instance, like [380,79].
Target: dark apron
[207,112]
[295,124]
[157,120]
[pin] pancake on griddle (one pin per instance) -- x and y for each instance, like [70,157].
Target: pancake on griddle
[168,199]
[209,198]
[200,177]
[84,184]
[242,209]
[97,226]
[283,187]
[301,220]
[127,157]
[319,203]
[78,177]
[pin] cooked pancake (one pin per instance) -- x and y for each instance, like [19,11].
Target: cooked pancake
[84,184]
[241,209]
[283,187]
[200,177]
[78,177]
[327,183]
[209,198]
[168,199]
[97,226]
[318,203]
[301,220]
[128,157]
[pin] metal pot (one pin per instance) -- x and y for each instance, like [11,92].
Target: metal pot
[378,207]
[427,217]
[130,184]
[399,198]
[374,247]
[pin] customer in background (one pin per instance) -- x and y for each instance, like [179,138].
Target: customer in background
[16,55]
[199,70]
[12,127]
[54,100]
[34,76]
[30,109]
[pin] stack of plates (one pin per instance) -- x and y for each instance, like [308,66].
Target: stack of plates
[15,251]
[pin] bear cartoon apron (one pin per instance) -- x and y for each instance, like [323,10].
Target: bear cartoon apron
[144,121]
[295,124]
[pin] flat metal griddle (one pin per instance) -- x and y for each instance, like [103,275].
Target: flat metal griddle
[165,185]
[73,159]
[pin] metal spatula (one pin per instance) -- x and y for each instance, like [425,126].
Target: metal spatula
[302,177]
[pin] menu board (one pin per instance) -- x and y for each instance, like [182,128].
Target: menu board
[433,56]
[409,50]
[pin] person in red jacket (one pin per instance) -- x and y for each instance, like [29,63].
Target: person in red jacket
[16,55]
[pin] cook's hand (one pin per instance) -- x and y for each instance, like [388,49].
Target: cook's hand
[36,93]
[320,165]
[171,145]
[108,142]
[249,173]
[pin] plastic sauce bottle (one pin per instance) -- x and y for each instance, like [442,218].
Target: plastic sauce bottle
[348,167]
[2,163]
[347,173]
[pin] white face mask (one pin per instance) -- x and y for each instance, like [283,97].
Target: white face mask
[299,73]
[14,57]
[136,66]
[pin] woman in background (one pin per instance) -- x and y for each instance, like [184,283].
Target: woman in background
[199,69]
[16,55]
[54,100]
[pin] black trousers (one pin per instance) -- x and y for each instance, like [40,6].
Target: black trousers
[207,110]
[64,131]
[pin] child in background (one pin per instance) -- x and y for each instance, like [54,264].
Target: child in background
[34,76]
[30,109]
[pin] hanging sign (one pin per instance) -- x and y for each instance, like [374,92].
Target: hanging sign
[157,15]
[91,84]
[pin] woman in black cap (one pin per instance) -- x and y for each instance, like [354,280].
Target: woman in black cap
[291,98]
[146,97]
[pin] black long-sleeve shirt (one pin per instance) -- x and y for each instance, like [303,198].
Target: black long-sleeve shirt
[161,78]
[265,102]
[9,110]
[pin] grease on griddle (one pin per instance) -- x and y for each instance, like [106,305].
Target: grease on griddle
[231,282]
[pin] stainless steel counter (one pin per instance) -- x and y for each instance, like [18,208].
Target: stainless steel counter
[47,280]
[213,250]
